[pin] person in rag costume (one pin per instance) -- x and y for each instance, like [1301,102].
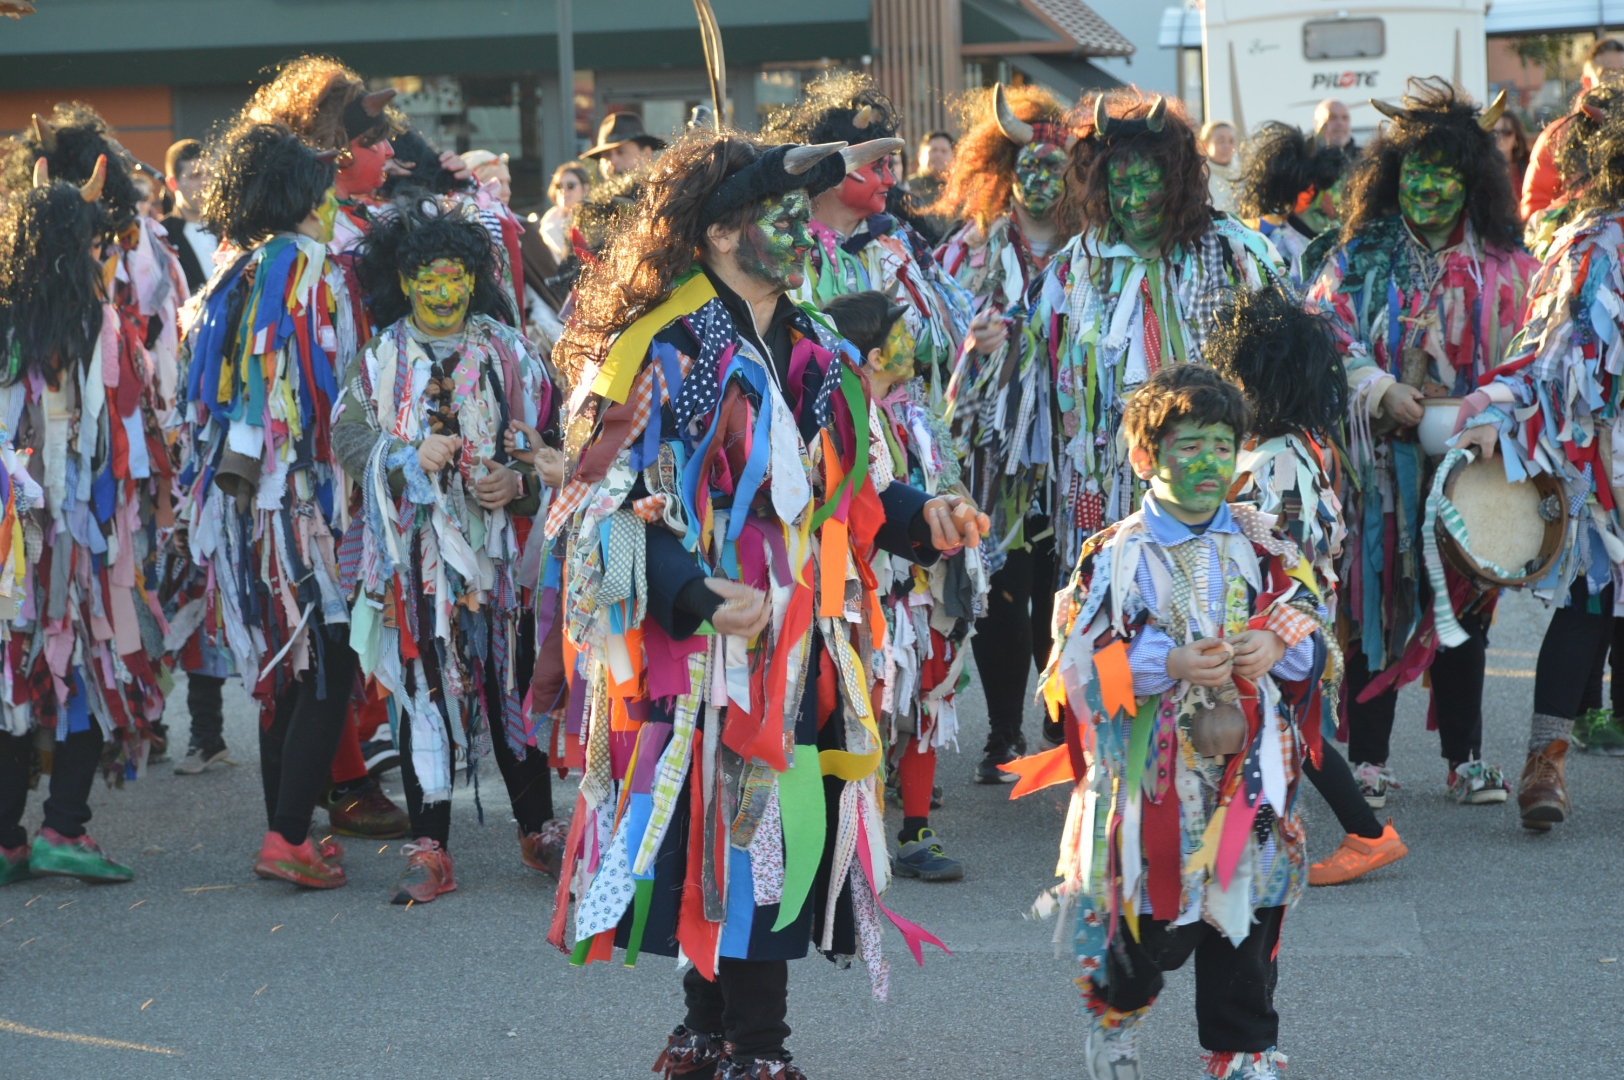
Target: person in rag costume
[1425,290]
[713,561]
[1285,190]
[1553,408]
[1007,183]
[1187,673]
[437,617]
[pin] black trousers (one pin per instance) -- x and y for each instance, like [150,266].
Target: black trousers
[203,701]
[746,1004]
[296,751]
[1573,653]
[73,774]
[1457,697]
[1234,987]
[1336,785]
[1014,636]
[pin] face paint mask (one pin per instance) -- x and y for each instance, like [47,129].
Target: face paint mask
[1195,465]
[896,360]
[440,293]
[1039,178]
[1431,195]
[864,190]
[364,174]
[327,214]
[773,247]
[1134,188]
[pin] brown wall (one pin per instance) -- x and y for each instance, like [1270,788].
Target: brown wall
[141,116]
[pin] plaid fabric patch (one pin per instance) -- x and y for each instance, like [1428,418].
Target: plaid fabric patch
[1292,625]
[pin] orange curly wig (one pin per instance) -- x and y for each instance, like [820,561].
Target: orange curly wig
[983,175]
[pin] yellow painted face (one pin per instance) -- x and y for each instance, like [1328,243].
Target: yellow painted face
[896,360]
[327,214]
[440,294]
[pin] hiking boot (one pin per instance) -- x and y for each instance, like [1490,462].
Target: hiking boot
[365,811]
[1240,1065]
[14,864]
[1375,781]
[380,756]
[1542,793]
[544,850]
[428,872]
[1474,783]
[301,864]
[923,859]
[1598,731]
[1112,1053]
[988,771]
[199,758]
[760,1069]
[54,855]
[1356,856]
[691,1053]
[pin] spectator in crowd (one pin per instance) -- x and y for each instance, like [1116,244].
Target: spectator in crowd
[1542,183]
[1334,125]
[187,174]
[147,203]
[1512,139]
[567,188]
[1217,140]
[936,154]
[924,187]
[487,167]
[623,146]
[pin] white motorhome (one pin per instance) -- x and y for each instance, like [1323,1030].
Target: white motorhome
[1276,59]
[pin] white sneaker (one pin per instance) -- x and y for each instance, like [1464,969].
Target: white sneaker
[1113,1054]
[197,759]
[1375,781]
[1269,1065]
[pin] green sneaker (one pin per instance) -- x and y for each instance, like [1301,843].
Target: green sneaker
[14,864]
[54,855]
[1598,731]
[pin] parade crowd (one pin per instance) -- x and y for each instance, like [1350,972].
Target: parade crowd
[714,484]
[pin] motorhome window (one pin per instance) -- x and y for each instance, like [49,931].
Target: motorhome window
[1343,39]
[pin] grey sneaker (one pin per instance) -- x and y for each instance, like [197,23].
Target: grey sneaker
[1112,1054]
[199,758]
[923,859]
[1474,783]
[1375,781]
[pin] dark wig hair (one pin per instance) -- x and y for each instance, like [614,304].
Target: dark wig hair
[1577,133]
[414,235]
[1435,119]
[654,241]
[1183,392]
[50,283]
[422,159]
[827,111]
[1186,202]
[1279,164]
[264,180]
[74,137]
[1285,360]
[864,318]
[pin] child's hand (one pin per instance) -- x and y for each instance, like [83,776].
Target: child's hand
[435,451]
[510,441]
[955,522]
[989,331]
[1256,651]
[1208,662]
[550,466]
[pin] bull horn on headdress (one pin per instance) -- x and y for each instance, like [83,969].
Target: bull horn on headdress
[800,159]
[42,173]
[328,157]
[1392,112]
[91,189]
[1491,115]
[1589,108]
[1102,118]
[863,117]
[1015,129]
[1157,116]
[43,133]
[865,153]
[374,102]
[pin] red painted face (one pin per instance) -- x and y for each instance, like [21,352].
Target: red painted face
[364,175]
[864,190]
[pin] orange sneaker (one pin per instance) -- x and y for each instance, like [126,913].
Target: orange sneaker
[428,872]
[1357,856]
[303,865]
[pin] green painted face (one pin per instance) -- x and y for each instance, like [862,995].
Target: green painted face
[773,247]
[1039,178]
[440,293]
[1134,186]
[895,363]
[1195,465]
[1431,195]
[327,214]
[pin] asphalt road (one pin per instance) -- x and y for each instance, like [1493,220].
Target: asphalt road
[1489,952]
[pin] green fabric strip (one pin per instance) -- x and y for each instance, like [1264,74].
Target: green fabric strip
[641,899]
[800,806]
[1139,742]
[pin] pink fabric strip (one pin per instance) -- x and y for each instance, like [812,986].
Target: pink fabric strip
[915,935]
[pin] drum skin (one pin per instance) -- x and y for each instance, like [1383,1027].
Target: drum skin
[1485,516]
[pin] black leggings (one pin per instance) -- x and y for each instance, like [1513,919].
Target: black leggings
[746,1004]
[1014,635]
[1336,785]
[1573,653]
[296,751]
[1457,698]
[73,774]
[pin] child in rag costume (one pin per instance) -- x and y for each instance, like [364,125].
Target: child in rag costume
[1285,191]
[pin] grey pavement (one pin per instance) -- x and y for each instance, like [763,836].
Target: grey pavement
[1487,953]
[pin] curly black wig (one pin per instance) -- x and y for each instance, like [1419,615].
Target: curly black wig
[415,153]
[829,109]
[70,140]
[50,283]
[1581,144]
[1285,360]
[265,180]
[1279,164]
[412,237]
[1436,119]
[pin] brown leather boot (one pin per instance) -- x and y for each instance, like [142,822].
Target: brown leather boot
[1542,793]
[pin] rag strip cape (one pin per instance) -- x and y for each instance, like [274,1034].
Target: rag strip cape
[1122,317]
[730,799]
[1402,312]
[263,383]
[1001,407]
[428,567]
[1154,829]
[87,505]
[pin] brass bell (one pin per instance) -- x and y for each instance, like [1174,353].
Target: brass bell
[1218,731]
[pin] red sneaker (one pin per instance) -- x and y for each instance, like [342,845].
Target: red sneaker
[428,872]
[332,852]
[544,850]
[302,864]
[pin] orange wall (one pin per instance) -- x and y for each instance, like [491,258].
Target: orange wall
[141,116]
[1506,67]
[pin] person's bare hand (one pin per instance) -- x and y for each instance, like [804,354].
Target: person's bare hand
[550,466]
[510,441]
[1483,438]
[989,331]
[1256,651]
[1208,662]
[499,486]
[955,522]
[745,610]
[454,165]
[436,450]
[1402,402]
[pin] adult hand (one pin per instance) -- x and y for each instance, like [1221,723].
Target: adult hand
[1483,438]
[955,522]
[745,611]
[1256,651]
[510,441]
[453,164]
[1208,662]
[499,486]
[988,331]
[436,450]
[1402,402]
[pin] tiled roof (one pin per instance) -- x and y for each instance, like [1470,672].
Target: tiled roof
[1081,23]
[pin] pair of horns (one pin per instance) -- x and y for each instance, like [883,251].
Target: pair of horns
[89,191]
[1015,129]
[1154,119]
[863,117]
[374,102]
[1486,120]
[43,133]
[801,159]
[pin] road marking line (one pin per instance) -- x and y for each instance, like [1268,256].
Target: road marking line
[85,1040]
[210,888]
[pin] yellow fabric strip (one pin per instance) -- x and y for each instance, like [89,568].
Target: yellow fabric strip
[614,379]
